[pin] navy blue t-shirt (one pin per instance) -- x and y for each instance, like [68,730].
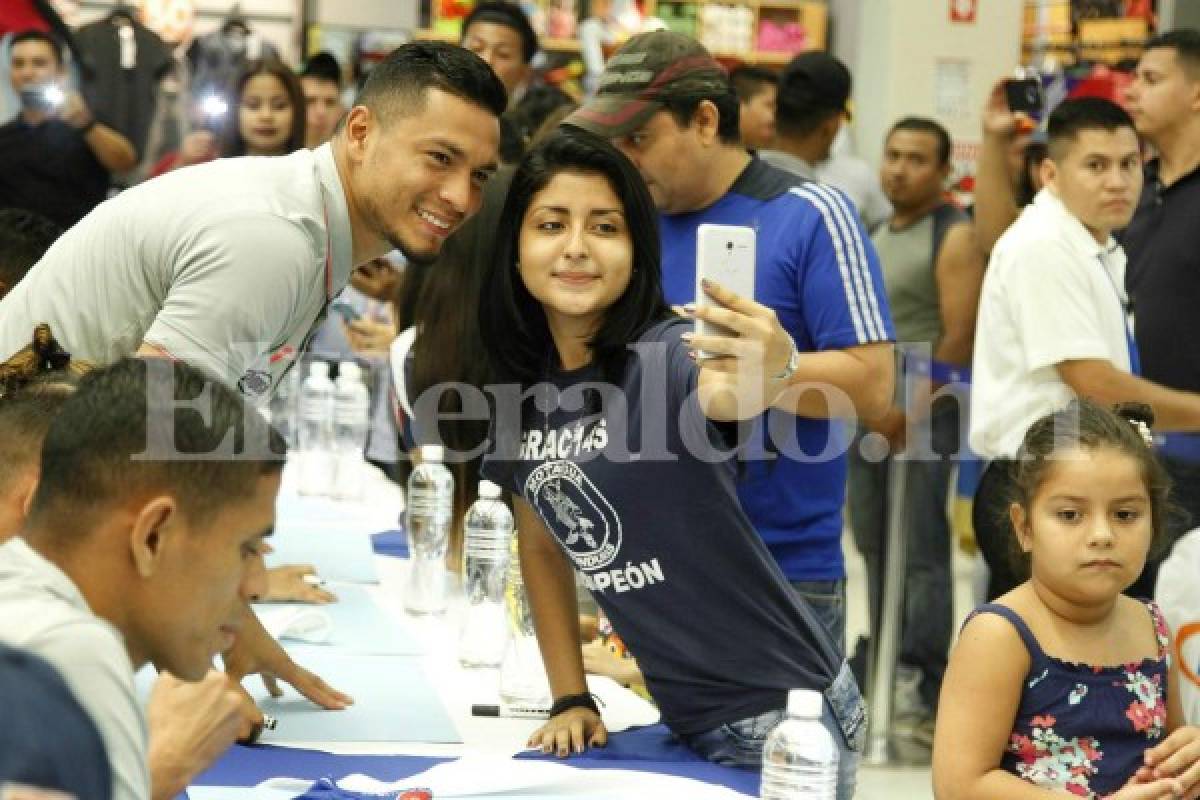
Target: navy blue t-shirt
[816,267]
[660,539]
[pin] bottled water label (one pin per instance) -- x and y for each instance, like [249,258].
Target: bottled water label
[800,760]
[430,503]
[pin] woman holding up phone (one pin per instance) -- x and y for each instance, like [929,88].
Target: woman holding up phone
[620,461]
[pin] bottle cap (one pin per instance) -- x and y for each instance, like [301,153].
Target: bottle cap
[805,703]
[349,370]
[320,368]
[489,490]
[431,453]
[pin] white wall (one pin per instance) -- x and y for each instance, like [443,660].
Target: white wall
[390,14]
[895,60]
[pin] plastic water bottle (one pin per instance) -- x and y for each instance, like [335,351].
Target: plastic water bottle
[283,406]
[314,438]
[800,757]
[488,530]
[523,681]
[351,421]
[427,519]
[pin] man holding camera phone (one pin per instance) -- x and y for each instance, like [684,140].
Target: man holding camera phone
[670,108]
[55,156]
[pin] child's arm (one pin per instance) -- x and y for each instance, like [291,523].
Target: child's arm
[550,584]
[980,695]
[1179,754]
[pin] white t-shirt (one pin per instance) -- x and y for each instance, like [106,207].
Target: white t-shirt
[1051,294]
[42,612]
[225,265]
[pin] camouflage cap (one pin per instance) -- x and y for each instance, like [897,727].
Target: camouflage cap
[647,70]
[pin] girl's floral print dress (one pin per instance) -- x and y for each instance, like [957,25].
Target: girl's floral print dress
[1083,729]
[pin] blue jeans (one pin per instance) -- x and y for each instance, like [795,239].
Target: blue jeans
[828,600]
[927,627]
[740,743]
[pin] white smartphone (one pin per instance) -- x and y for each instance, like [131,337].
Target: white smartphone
[724,255]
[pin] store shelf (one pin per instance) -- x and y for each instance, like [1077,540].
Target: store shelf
[559,45]
[428,34]
[763,58]
[547,43]
[812,15]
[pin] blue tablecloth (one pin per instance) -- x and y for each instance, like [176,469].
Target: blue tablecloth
[650,749]
[654,749]
[646,749]
[249,766]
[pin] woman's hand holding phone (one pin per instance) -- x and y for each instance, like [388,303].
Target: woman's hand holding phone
[753,364]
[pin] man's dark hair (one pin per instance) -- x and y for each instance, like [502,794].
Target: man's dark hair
[748,81]
[795,115]
[926,125]
[38,36]
[1082,114]
[397,85]
[1186,44]
[323,67]
[538,103]
[508,15]
[683,107]
[127,432]
[25,416]
[24,239]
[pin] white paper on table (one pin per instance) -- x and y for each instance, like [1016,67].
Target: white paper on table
[620,708]
[274,789]
[299,623]
[491,776]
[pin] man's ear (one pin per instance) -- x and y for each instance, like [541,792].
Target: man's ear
[154,525]
[1049,172]
[707,121]
[27,488]
[360,121]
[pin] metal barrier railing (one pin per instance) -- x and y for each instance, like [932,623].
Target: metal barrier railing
[916,369]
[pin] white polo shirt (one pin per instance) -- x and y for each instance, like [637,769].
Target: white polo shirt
[225,265]
[1051,294]
[42,612]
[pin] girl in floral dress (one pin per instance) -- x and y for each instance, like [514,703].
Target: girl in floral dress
[1063,684]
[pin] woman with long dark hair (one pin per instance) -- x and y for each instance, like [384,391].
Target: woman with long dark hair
[613,438]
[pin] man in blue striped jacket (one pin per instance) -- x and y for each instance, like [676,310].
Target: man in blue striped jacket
[669,107]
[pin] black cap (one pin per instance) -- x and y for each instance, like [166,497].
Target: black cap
[648,69]
[816,80]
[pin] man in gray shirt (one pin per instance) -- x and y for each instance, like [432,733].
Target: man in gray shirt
[230,265]
[135,552]
[932,271]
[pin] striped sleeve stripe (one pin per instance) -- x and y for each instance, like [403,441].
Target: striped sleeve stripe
[852,260]
[843,267]
[849,218]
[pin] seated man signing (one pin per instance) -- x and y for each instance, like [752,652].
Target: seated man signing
[142,547]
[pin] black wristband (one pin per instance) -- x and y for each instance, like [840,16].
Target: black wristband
[569,701]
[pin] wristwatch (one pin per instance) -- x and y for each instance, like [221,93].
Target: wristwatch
[793,364]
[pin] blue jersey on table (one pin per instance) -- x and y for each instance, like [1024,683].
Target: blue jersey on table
[816,267]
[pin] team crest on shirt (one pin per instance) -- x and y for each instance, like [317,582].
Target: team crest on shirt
[254,383]
[574,508]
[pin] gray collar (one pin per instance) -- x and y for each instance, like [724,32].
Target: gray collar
[337,218]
